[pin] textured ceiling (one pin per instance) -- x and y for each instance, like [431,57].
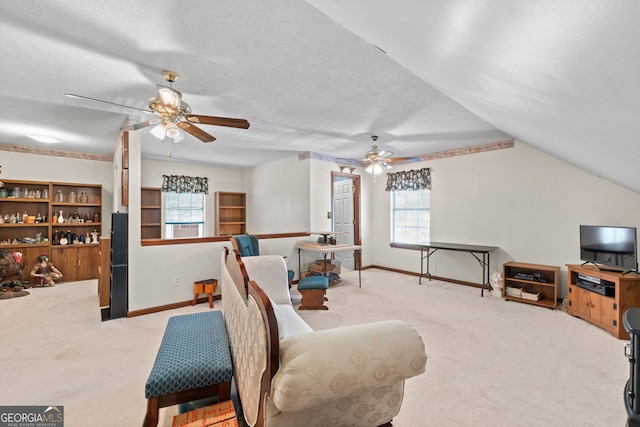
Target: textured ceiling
[303,82]
[561,76]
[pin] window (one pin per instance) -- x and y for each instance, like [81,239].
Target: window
[410,216]
[184,215]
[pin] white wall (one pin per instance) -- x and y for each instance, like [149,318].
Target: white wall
[278,196]
[33,167]
[524,201]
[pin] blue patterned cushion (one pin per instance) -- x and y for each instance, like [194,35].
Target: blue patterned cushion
[313,282]
[194,353]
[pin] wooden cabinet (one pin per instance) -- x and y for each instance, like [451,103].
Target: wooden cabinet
[605,311]
[230,213]
[151,213]
[531,283]
[76,262]
[25,220]
[42,203]
[80,206]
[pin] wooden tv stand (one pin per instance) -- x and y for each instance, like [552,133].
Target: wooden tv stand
[603,311]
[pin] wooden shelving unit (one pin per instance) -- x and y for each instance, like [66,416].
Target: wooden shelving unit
[230,213]
[81,207]
[151,215]
[601,310]
[531,281]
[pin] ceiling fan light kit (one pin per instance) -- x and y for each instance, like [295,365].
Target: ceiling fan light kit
[169,101]
[376,158]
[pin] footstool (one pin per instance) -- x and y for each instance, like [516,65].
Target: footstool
[192,363]
[207,286]
[313,289]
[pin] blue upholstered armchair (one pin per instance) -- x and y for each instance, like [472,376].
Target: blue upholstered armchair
[247,245]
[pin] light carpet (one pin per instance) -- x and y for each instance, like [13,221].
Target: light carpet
[491,362]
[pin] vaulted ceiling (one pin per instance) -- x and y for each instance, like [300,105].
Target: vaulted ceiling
[324,75]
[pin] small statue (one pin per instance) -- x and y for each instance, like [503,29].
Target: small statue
[94,237]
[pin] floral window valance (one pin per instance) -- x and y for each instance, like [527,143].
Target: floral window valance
[409,180]
[184,184]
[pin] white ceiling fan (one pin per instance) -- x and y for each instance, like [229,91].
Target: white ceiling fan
[378,160]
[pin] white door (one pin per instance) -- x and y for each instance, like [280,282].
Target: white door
[343,218]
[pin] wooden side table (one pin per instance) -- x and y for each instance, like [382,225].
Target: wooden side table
[207,286]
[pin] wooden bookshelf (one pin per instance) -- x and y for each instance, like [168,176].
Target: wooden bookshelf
[230,213]
[151,213]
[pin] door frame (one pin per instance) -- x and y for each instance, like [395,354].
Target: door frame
[356,207]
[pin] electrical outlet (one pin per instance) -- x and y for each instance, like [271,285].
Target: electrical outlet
[176,280]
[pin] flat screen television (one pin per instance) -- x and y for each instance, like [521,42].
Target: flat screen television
[615,247]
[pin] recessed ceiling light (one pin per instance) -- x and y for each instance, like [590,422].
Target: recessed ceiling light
[44,138]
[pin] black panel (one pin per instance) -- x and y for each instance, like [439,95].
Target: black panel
[119,286]
[119,238]
[119,292]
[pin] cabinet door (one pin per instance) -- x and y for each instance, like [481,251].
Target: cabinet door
[579,302]
[87,261]
[64,258]
[602,311]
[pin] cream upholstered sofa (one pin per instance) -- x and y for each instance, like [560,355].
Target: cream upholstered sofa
[287,374]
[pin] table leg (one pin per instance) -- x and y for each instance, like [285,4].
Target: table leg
[359,268]
[429,253]
[422,257]
[483,274]
[421,264]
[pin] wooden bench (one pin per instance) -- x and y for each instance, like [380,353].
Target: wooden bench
[193,362]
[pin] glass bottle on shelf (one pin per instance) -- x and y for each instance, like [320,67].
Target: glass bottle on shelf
[60,218]
[25,193]
[59,196]
[72,197]
[45,193]
[83,197]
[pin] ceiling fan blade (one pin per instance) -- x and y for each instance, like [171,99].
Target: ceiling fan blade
[218,121]
[71,95]
[196,131]
[141,125]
